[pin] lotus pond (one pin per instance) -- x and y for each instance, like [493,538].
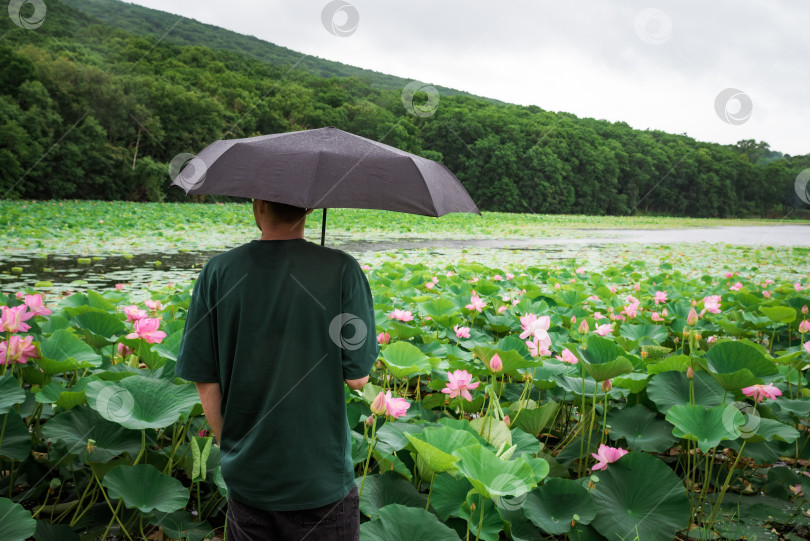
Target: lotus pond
[644,393]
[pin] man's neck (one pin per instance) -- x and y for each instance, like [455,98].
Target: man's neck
[282,232]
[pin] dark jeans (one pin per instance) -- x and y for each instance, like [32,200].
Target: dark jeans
[337,521]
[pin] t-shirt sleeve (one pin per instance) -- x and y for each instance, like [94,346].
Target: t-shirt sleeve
[197,358]
[359,340]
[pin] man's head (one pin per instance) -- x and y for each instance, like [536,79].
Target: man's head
[279,220]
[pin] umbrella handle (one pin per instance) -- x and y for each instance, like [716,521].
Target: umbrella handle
[323,227]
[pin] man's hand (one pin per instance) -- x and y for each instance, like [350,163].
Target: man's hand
[356,384]
[211,399]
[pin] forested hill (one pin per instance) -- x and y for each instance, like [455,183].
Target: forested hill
[95,105]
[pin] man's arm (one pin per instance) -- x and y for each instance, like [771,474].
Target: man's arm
[356,384]
[211,398]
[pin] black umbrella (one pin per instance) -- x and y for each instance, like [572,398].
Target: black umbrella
[325,168]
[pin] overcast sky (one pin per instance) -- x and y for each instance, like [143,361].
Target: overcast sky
[653,64]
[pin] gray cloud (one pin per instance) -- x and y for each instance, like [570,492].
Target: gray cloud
[583,56]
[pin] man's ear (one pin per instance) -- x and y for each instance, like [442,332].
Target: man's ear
[309,211]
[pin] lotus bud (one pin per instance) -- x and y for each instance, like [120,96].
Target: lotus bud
[692,318]
[686,331]
[698,336]
[676,340]
[472,507]
[573,319]
[804,309]
[583,327]
[606,385]
[690,374]
[378,406]
[370,420]
[664,313]
[507,420]
[495,364]
[693,303]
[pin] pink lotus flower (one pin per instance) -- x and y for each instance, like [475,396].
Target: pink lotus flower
[631,310]
[712,303]
[613,289]
[497,278]
[806,347]
[509,275]
[535,326]
[366,267]
[692,318]
[515,302]
[450,273]
[729,274]
[736,287]
[119,287]
[581,270]
[34,303]
[147,328]
[502,309]
[476,303]
[711,340]
[17,349]
[430,285]
[379,403]
[797,286]
[804,309]
[573,320]
[769,281]
[134,313]
[383,338]
[632,300]
[473,280]
[461,332]
[13,319]
[124,351]
[459,384]
[557,286]
[660,296]
[401,315]
[154,306]
[19,294]
[507,421]
[567,357]
[637,287]
[395,407]
[605,455]
[656,317]
[539,347]
[766,293]
[598,315]
[664,312]
[495,363]
[583,327]
[604,330]
[761,392]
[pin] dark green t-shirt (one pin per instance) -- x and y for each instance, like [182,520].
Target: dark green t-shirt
[280,324]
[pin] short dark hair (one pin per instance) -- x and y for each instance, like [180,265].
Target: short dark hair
[281,212]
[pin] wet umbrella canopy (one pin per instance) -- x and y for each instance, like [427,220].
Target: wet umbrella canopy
[325,168]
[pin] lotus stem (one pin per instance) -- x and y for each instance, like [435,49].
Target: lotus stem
[430,491]
[368,457]
[481,517]
[114,510]
[716,507]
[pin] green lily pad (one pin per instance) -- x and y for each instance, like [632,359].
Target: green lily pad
[736,364]
[400,523]
[386,489]
[16,441]
[639,496]
[448,494]
[182,525]
[404,360]
[17,523]
[554,505]
[11,393]
[138,402]
[493,477]
[641,428]
[708,427]
[534,420]
[436,444]
[145,488]
[76,427]
[603,359]
[63,351]
[779,314]
[669,389]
